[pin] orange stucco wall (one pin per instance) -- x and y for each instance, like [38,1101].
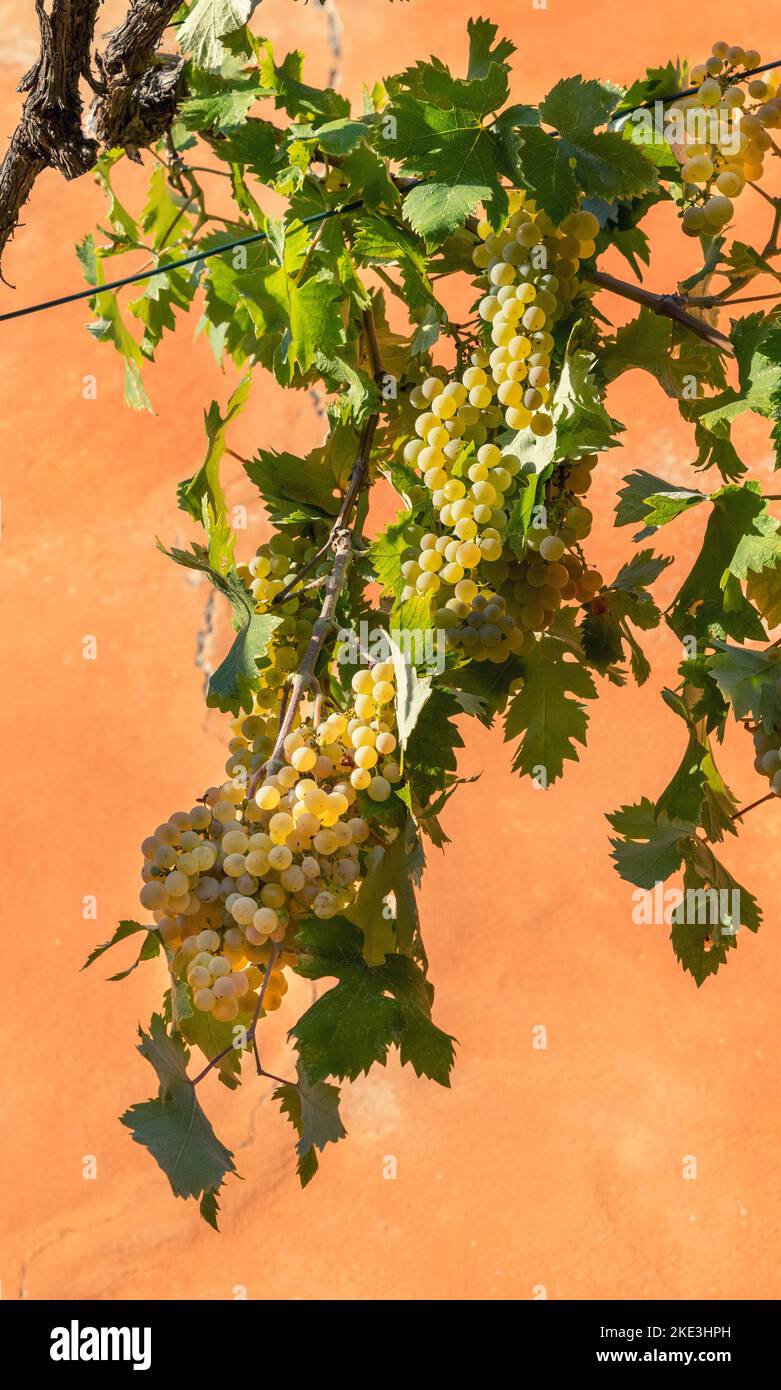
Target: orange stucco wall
[560,1168]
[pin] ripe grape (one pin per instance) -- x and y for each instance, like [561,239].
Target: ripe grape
[719,134]
[226,893]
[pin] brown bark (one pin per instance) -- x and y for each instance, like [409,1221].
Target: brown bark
[135,96]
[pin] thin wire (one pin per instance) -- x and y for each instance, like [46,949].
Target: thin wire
[197,256]
[192,259]
[689,91]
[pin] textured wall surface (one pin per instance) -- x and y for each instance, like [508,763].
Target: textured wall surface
[560,1168]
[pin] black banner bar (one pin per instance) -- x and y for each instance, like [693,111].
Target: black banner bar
[138,1338]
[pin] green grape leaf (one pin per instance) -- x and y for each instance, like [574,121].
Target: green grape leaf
[392,870]
[221,112]
[358,395]
[575,107]
[719,804]
[433,82]
[650,847]
[150,946]
[378,241]
[313,1111]
[293,319]
[434,209]
[674,356]
[412,690]
[205,26]
[740,537]
[601,638]
[231,686]
[482,688]
[118,216]
[304,487]
[369,179]
[631,243]
[757,343]
[155,307]
[556,169]
[605,629]
[643,569]
[460,158]
[370,1010]
[339,137]
[296,97]
[548,714]
[110,327]
[252,147]
[481,52]
[177,1005]
[700,942]
[653,502]
[715,451]
[658,82]
[202,1030]
[697,792]
[387,555]
[749,680]
[763,589]
[581,420]
[745,262]
[430,761]
[203,494]
[163,210]
[173,1127]
[87,255]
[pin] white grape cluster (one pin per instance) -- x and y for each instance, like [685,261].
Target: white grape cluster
[531,272]
[275,566]
[469,502]
[714,171]
[228,879]
[510,598]
[518,597]
[186,889]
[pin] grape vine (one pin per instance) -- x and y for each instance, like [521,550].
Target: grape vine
[359,659]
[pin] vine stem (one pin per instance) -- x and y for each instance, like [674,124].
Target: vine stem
[767,197]
[771,246]
[669,305]
[716,301]
[672,306]
[274,953]
[350,497]
[738,815]
[341,543]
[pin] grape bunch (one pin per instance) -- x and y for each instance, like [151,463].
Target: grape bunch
[183,889]
[510,599]
[724,149]
[227,880]
[531,269]
[472,507]
[530,592]
[469,504]
[275,566]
